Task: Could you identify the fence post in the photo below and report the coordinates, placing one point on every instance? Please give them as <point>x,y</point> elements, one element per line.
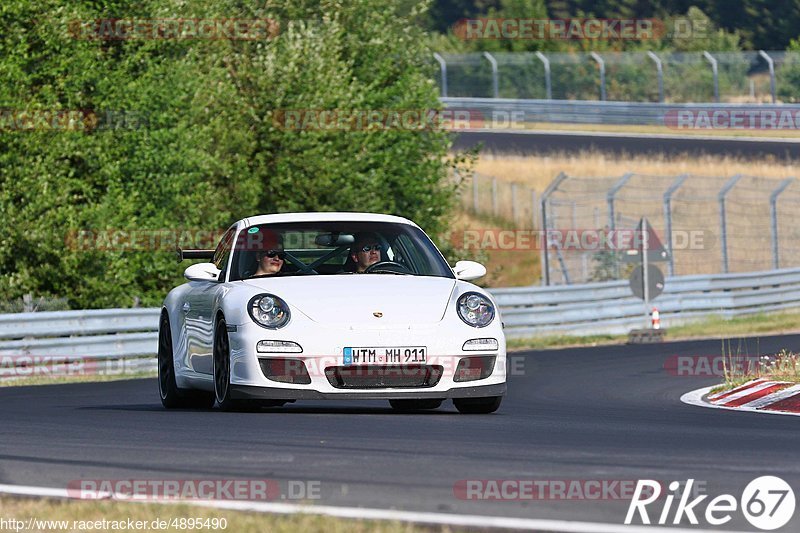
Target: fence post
<point>493,61</point>
<point>443,68</point>
<point>715,72</point>
<point>773,212</point>
<point>494,196</point>
<point>534,214</point>
<point>723,227</point>
<point>514,202</point>
<point>610,197</point>
<point>668,218</point>
<point>771,65</point>
<point>660,72</point>
<point>548,82</point>
<point>602,65</point>
<point>545,244</point>
<point>475,177</point>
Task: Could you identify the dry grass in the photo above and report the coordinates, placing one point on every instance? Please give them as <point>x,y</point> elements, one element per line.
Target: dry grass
<point>504,268</point>
<point>537,171</point>
<point>88,512</point>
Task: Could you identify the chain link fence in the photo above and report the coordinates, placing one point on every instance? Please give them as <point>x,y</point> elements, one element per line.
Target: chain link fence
<point>706,224</point>
<point>677,77</point>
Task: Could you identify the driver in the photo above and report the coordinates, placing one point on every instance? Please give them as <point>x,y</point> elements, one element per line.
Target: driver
<point>365,251</point>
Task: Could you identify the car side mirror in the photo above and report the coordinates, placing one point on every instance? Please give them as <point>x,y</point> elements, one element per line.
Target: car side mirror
<point>469,270</point>
<point>202,272</point>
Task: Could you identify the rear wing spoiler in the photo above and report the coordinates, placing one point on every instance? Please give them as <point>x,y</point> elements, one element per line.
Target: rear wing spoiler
<point>194,254</point>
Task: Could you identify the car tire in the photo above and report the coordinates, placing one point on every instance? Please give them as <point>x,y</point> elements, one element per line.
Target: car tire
<point>415,405</point>
<point>171,396</point>
<point>222,373</point>
<point>477,406</point>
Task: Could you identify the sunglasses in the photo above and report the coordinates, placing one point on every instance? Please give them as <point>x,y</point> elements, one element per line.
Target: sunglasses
<point>280,254</point>
<point>370,248</point>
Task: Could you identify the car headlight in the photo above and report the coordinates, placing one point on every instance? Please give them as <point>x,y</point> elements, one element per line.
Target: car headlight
<point>269,311</point>
<point>475,309</point>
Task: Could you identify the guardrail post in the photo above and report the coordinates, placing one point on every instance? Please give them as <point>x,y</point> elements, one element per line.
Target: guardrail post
<point>715,72</point>
<point>495,86</point>
<point>494,196</point>
<point>545,244</point>
<point>660,72</point>
<point>773,211</point>
<point>443,68</point>
<point>602,65</point>
<point>668,218</point>
<point>771,65</point>
<point>475,177</point>
<point>548,82</point>
<point>723,227</point>
<point>611,196</point>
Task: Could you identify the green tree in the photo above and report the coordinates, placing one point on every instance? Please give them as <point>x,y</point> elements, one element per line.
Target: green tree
<point>206,149</point>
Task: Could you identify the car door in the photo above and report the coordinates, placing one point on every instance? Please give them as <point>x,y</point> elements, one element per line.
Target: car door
<point>199,310</point>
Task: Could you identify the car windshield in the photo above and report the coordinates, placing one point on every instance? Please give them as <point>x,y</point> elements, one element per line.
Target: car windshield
<point>323,248</point>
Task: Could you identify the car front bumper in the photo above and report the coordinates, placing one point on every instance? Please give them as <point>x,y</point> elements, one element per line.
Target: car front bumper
<point>444,348</point>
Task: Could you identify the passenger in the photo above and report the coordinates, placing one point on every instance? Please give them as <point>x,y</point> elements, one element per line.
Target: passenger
<point>365,251</point>
<point>271,257</point>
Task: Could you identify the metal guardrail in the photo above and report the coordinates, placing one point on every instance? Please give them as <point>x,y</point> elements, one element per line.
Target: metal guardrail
<point>610,307</point>
<point>130,336</point>
<point>504,110</point>
<point>78,343</point>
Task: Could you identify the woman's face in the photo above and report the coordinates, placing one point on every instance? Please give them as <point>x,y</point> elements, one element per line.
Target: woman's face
<point>271,262</point>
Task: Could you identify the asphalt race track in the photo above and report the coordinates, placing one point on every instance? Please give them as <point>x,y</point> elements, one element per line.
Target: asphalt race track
<point>606,413</point>
<point>546,142</point>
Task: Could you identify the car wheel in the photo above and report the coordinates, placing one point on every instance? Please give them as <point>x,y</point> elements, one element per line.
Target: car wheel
<point>477,406</point>
<point>415,405</point>
<point>222,372</point>
<point>171,396</point>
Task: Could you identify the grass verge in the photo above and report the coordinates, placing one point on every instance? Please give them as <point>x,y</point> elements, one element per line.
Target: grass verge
<point>714,327</point>
<point>88,515</point>
<point>52,380</point>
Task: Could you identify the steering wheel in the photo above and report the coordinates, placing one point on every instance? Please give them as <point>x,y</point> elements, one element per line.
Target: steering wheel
<point>387,267</point>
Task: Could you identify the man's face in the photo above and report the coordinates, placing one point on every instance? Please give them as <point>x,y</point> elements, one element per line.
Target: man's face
<point>367,253</point>
<point>271,261</point>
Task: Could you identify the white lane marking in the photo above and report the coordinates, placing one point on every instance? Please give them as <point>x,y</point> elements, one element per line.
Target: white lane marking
<point>769,399</point>
<point>695,397</point>
<point>746,392</point>
<point>359,513</point>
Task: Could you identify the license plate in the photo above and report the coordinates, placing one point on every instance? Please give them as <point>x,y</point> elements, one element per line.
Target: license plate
<point>385,355</point>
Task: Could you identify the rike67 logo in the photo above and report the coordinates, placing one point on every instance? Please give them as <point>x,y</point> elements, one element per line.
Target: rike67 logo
<point>767,502</point>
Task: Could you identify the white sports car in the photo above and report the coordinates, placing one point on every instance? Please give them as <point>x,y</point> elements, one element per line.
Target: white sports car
<point>325,306</point>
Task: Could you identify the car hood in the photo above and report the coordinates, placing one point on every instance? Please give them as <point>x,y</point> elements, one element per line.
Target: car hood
<point>354,300</point>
